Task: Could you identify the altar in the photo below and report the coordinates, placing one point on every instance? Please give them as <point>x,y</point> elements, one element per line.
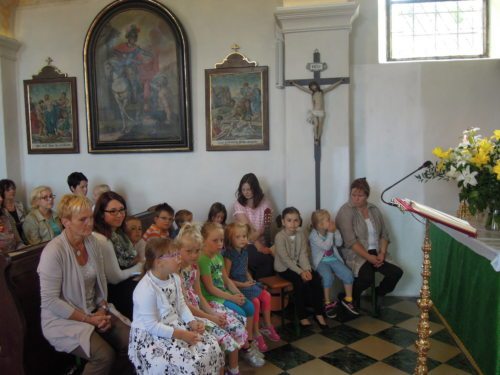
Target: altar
<point>465,289</point>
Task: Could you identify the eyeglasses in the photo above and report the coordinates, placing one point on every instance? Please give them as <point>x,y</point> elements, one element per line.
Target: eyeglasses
<point>115,212</point>
<point>48,197</point>
<point>170,256</point>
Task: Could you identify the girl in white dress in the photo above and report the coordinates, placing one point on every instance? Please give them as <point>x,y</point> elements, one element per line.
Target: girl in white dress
<point>165,338</point>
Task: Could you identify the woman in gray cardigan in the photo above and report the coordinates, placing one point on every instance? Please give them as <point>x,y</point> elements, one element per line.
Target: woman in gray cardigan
<point>365,242</point>
<point>76,317</point>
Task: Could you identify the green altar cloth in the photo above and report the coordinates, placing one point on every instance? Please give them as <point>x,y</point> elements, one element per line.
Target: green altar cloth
<point>465,290</point>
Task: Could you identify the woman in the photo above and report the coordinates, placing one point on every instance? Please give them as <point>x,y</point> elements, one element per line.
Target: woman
<point>9,239</point>
<point>14,208</point>
<point>42,223</point>
<point>121,262</point>
<point>76,317</point>
<point>250,208</point>
<point>365,242</point>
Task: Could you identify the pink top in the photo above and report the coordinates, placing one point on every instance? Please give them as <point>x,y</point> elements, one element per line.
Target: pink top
<point>254,215</point>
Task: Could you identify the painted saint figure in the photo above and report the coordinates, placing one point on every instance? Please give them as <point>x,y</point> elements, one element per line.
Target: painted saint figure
<point>317,113</point>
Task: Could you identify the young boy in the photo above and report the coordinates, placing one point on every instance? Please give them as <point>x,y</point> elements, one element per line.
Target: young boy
<point>162,226</point>
<point>182,217</point>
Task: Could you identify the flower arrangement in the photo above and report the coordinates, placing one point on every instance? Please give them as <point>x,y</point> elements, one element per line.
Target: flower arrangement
<point>475,165</point>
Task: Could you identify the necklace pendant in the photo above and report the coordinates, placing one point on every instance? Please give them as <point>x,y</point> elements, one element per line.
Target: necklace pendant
<point>78,253</point>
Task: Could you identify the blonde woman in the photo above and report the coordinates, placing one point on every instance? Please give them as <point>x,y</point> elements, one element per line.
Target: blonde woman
<point>42,223</point>
<point>75,315</point>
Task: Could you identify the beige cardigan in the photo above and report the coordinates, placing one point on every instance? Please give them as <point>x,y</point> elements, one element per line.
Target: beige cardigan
<point>62,290</point>
<point>293,255</point>
<point>352,226</point>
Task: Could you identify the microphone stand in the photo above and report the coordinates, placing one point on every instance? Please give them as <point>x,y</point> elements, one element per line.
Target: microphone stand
<point>427,164</point>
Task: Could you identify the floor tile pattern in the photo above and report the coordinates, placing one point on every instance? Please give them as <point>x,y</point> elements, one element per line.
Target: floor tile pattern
<point>364,345</point>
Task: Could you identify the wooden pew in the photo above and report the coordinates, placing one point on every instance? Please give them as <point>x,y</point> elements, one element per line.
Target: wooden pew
<point>23,349</point>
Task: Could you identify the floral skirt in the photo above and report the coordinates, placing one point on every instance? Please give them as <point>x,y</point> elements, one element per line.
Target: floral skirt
<point>235,323</point>
<point>154,355</point>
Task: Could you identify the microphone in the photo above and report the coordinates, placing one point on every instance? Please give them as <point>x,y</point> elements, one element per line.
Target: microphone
<point>427,164</point>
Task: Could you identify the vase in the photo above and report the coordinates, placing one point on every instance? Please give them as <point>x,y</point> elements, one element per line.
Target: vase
<point>493,220</point>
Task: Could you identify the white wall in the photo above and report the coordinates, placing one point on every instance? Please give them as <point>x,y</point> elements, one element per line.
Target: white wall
<point>399,113</point>
<point>185,180</point>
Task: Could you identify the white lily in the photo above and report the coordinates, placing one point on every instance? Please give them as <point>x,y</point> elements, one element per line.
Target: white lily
<point>453,173</point>
<point>468,177</point>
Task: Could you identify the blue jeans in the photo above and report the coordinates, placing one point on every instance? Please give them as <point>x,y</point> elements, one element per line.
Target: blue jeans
<point>328,269</point>
<point>246,309</point>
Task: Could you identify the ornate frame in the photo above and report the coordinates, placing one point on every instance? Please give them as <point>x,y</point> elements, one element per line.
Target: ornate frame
<point>137,80</point>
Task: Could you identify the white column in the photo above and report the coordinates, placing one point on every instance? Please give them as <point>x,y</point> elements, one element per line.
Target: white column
<point>9,124</point>
<point>326,28</point>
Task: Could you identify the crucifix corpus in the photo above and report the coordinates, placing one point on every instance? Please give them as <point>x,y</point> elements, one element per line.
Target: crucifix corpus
<point>316,115</point>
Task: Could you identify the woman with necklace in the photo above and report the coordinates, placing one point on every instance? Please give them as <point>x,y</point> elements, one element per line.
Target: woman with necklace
<point>42,223</point>
<point>75,315</point>
<point>121,262</point>
<point>366,240</point>
<point>12,207</point>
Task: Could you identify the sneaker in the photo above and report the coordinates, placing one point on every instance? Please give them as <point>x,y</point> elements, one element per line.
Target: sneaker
<point>270,333</point>
<point>252,359</point>
<point>261,344</point>
<point>331,310</point>
<point>350,307</point>
<point>255,349</point>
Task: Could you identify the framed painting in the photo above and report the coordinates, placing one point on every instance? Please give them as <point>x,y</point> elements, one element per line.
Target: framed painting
<point>237,105</point>
<point>51,112</point>
<point>137,80</point>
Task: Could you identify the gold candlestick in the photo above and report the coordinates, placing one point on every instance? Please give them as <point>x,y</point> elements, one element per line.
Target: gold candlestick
<point>425,304</point>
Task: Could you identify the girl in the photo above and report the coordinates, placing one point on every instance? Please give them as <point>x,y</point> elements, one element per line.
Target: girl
<point>217,287</point>
<point>165,337</point>
<point>226,325</point>
<point>217,213</point>
<point>133,229</point>
<point>326,261</point>
<point>292,263</point>
<point>236,264</point>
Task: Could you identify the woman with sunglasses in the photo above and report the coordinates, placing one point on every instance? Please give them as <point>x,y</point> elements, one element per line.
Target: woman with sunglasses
<point>42,223</point>
<point>121,261</point>
<point>75,314</point>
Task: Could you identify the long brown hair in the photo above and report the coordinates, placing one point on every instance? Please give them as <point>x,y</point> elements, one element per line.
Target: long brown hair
<point>253,182</point>
<point>155,248</point>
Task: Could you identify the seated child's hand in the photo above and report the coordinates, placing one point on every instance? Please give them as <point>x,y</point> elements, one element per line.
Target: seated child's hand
<point>306,276</point>
<point>192,338</point>
<point>219,319</point>
<point>197,326</point>
<point>238,299</point>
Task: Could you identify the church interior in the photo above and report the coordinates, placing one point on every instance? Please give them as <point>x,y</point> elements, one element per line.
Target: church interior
<point>383,121</point>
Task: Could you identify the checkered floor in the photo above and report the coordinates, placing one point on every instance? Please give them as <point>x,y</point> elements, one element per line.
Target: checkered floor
<point>364,345</point>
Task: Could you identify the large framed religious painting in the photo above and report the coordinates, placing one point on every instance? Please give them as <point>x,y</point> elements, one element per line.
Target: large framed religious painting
<point>51,112</point>
<point>137,80</point>
<point>237,105</point>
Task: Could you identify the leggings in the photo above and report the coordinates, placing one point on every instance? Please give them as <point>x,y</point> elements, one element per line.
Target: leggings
<point>264,300</point>
<point>246,309</point>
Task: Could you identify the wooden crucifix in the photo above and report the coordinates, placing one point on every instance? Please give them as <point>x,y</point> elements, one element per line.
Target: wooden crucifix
<point>317,113</point>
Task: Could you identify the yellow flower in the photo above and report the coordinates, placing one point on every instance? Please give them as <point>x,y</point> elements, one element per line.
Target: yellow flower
<point>440,166</point>
<point>496,134</point>
<point>438,151</point>
<point>496,169</point>
<point>485,146</point>
<point>480,159</point>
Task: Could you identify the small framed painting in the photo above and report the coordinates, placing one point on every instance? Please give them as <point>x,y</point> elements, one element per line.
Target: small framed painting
<point>51,112</point>
<point>237,105</point>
